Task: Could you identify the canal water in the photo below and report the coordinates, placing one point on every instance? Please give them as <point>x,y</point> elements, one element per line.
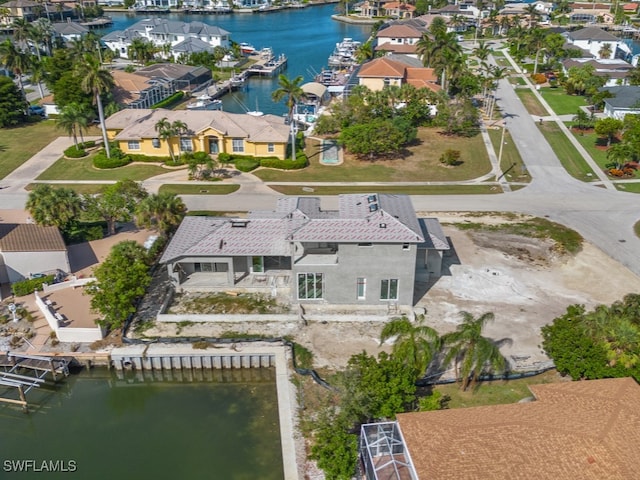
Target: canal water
<point>104,428</point>
<point>306,35</point>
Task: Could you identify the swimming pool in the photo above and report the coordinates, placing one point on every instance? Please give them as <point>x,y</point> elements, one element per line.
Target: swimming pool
<point>330,152</point>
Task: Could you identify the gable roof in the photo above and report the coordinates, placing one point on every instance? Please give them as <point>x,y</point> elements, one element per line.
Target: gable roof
<point>593,33</point>
<point>69,28</point>
<point>127,86</point>
<point>28,237</point>
<point>399,31</point>
<point>382,67</point>
<point>585,430</point>
<point>175,71</point>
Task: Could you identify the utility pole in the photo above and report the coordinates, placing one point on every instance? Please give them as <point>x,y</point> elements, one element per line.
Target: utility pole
<point>504,127</point>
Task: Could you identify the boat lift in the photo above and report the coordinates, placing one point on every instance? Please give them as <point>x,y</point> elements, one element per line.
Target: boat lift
<point>40,366</point>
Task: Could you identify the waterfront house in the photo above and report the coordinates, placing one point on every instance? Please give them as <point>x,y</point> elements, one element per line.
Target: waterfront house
<point>398,10</point>
<point>625,100</point>
<point>212,132</point>
<point>27,249</point>
<point>185,77</point>
<point>614,70</point>
<point>368,252</point>
<point>585,430</point>
<point>397,70</point>
<point>592,39</point>
<point>400,38</point>
<point>26,9</point>
<point>162,32</point>
<point>69,31</point>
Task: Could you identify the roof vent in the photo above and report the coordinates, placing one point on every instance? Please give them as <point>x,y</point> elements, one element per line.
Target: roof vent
<point>383,225</point>
<point>373,207</point>
<point>371,198</point>
<point>239,223</point>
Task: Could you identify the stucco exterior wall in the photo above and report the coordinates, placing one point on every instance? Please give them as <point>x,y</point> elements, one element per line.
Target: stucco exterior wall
<point>20,264</point>
<point>377,84</point>
<point>374,264</point>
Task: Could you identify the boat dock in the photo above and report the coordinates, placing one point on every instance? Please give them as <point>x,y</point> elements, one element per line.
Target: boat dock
<point>266,64</point>
<point>33,372</point>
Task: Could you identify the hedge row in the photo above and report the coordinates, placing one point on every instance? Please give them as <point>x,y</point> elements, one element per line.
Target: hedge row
<point>176,97</point>
<point>138,157</point>
<point>75,152</point>
<point>27,287</point>
<point>246,163</point>
<point>296,164</point>
<point>101,161</point>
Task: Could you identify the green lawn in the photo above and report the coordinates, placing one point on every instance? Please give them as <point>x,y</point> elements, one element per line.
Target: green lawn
<point>417,190</point>
<point>631,188</point>
<point>520,80</point>
<point>497,392</point>
<point>530,102</point>
<point>560,102</point>
<point>200,189</point>
<point>420,163</point>
<point>17,145</point>
<point>83,169</point>
<point>571,160</point>
<point>588,141</point>
<point>510,156</point>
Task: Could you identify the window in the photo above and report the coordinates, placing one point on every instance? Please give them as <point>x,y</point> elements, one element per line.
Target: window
<point>310,286</point>
<point>133,145</point>
<point>361,284</point>
<point>406,246</point>
<point>365,244</point>
<point>387,82</point>
<point>238,145</point>
<point>389,289</point>
<point>155,142</point>
<point>271,148</point>
<point>210,267</point>
<point>185,144</point>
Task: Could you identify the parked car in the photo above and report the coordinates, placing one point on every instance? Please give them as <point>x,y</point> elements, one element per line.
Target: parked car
<point>36,110</point>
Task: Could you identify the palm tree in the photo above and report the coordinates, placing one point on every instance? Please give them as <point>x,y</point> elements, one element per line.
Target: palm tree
<point>620,153</point>
<point>163,211</point>
<point>532,12</point>
<point>96,80</point>
<point>21,31</point>
<point>416,343</point>
<point>470,351</point>
<point>581,120</point>
<point>364,52</point>
<point>291,91</point>
<point>605,51</point>
<point>482,51</point>
<point>140,50</point>
<point>163,127</point>
<point>38,74</point>
<point>53,206</point>
<point>15,60</point>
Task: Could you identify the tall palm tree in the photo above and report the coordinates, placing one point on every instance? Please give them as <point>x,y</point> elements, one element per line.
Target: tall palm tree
<point>38,74</point>
<point>163,211</point>
<point>97,81</point>
<point>605,51</point>
<point>364,52</point>
<point>416,344</point>
<point>53,206</point>
<point>470,352</point>
<point>292,92</point>
<point>532,12</point>
<point>482,51</point>
<point>21,31</point>
<point>165,132</point>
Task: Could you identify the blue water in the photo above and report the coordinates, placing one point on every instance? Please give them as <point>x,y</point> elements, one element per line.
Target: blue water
<point>307,36</point>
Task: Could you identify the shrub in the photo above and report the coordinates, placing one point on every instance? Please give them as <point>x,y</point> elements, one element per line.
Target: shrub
<point>175,98</point>
<point>539,78</point>
<point>87,144</point>
<point>616,172</point>
<point>138,157</point>
<point>296,164</point>
<point>225,158</point>
<point>75,152</point>
<point>30,285</point>
<point>101,161</point>
<point>85,232</point>
<point>450,157</point>
<point>246,164</point>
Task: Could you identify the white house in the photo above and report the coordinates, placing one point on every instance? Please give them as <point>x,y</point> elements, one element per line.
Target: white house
<point>162,32</point>
<point>615,70</point>
<point>592,40</point>
<point>625,100</point>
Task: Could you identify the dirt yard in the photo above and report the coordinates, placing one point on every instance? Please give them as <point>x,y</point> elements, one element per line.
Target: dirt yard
<point>524,281</point>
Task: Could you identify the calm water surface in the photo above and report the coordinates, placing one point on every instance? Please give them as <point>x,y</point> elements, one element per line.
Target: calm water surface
<point>307,36</point>
<point>225,428</point>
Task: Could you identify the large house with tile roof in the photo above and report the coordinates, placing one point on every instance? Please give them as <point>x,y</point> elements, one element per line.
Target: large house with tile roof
<point>397,70</point>
<point>398,38</point>
<point>27,249</point>
<point>212,132</point>
<point>586,430</point>
<point>368,252</point>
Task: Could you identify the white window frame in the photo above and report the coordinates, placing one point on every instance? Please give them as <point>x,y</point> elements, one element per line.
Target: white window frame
<point>386,291</point>
<point>183,144</point>
<point>237,145</point>
<point>303,283</point>
<point>156,142</point>
<point>133,144</point>
<point>361,288</point>
<point>271,147</point>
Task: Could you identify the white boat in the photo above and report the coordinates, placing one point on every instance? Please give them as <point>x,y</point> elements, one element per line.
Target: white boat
<point>345,53</point>
<point>247,48</point>
<point>205,102</point>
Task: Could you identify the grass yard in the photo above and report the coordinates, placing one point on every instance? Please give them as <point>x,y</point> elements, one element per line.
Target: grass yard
<point>419,164</point>
<point>571,160</point>
<point>588,141</point>
<point>520,81</point>
<point>530,102</point>
<point>560,102</point>
<point>407,190</point>
<point>17,145</point>
<point>81,188</point>
<point>83,169</point>
<point>200,189</point>
<point>631,188</point>
<point>497,392</point>
<point>510,156</point>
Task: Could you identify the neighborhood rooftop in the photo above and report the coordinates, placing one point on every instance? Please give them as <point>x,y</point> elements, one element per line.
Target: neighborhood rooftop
<point>26,237</point>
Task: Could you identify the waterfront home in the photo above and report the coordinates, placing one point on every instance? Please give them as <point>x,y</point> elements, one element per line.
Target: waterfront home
<point>170,36</point>
<point>69,31</point>
<point>592,39</point>
<point>625,100</point>
<point>368,252</point>
<point>614,70</point>
<point>398,38</point>
<point>27,249</point>
<point>27,9</point>
<point>570,430</point>
<point>397,70</point>
<point>212,132</point>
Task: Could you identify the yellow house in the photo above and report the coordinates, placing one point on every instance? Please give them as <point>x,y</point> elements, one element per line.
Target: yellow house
<point>138,131</point>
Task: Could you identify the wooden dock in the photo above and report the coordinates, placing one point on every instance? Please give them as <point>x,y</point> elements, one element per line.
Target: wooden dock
<point>33,371</point>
